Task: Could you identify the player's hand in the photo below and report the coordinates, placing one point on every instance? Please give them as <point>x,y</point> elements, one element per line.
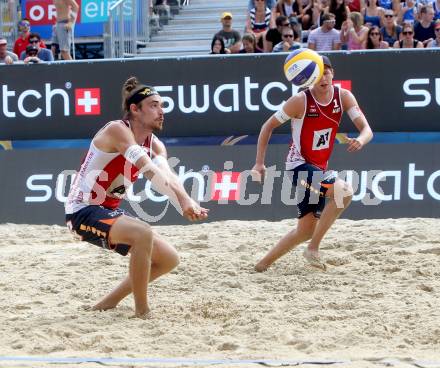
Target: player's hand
<point>258,172</point>
<point>193,212</point>
<point>354,145</point>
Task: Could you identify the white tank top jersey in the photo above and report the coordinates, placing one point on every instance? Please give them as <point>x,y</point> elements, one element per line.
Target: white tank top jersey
<point>103,178</point>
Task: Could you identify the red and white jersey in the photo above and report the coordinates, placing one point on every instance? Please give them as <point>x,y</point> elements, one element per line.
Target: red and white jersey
<point>314,134</point>
<point>103,178</point>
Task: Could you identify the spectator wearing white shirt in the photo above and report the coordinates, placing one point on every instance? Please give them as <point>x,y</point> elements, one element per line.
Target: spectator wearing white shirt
<point>6,57</point>
<point>325,38</point>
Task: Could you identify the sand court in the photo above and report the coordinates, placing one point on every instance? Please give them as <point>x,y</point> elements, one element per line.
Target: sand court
<point>378,299</point>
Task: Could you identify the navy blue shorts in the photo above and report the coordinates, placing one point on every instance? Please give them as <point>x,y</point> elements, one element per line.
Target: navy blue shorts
<point>311,184</point>
<point>93,224</point>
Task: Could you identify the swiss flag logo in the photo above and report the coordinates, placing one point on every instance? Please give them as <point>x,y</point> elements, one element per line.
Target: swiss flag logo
<point>87,101</point>
<point>225,186</point>
<point>343,84</point>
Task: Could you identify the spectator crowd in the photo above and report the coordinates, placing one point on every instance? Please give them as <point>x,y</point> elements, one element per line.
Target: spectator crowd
<point>325,25</point>
<point>29,48</point>
<point>271,26</point>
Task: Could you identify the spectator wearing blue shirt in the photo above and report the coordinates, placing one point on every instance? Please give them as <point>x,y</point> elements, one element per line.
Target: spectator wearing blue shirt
<point>269,3</point>
<point>408,12</point>
<point>34,51</point>
<point>391,30</point>
<point>424,30</point>
<point>436,6</point>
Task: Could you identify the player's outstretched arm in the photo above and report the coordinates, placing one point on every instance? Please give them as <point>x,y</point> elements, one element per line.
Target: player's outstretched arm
<point>293,108</point>
<point>190,208</point>
<point>119,138</point>
<point>351,106</point>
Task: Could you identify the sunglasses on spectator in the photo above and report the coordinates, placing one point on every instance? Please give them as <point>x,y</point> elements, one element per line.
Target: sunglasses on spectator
<point>407,33</point>
<point>288,35</point>
<point>34,41</point>
<point>389,15</point>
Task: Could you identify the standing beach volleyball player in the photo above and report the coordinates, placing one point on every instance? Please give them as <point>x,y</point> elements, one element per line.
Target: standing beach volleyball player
<point>118,153</point>
<point>315,116</point>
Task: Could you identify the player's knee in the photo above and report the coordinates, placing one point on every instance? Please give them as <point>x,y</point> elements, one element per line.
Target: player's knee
<point>174,261</point>
<point>142,237</point>
<point>342,194</point>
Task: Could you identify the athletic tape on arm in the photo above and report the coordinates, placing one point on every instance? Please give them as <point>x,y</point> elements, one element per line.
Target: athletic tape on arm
<point>354,112</point>
<point>134,153</point>
<point>281,116</point>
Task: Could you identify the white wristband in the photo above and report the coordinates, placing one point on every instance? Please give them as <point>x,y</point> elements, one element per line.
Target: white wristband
<point>134,153</point>
<point>158,160</point>
<point>354,112</point>
<point>281,116</point>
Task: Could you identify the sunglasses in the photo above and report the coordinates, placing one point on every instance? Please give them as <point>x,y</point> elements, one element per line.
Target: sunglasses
<point>389,16</point>
<point>34,41</point>
<point>406,33</point>
<point>437,29</point>
<point>289,36</point>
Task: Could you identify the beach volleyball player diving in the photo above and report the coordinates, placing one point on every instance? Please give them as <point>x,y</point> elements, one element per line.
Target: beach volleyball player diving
<point>315,115</point>
<point>118,154</point>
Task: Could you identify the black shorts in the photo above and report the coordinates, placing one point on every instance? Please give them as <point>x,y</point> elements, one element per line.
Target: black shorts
<point>93,224</point>
<point>311,184</point>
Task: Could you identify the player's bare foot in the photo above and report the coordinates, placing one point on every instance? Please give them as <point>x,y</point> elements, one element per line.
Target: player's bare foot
<point>313,259</point>
<point>142,314</point>
<point>103,306</point>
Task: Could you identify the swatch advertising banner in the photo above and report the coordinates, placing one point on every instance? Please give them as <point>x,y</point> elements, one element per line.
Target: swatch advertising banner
<point>389,180</point>
<point>213,96</point>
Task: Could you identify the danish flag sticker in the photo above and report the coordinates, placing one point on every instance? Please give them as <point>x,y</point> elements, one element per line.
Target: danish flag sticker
<point>87,101</point>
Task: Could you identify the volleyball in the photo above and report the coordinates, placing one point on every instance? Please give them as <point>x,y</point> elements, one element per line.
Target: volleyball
<point>303,67</point>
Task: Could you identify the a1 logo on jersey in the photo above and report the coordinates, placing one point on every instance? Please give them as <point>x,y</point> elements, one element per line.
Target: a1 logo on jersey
<point>87,101</point>
<point>321,139</point>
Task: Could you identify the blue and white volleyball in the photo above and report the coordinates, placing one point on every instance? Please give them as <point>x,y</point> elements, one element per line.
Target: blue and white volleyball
<point>303,67</point>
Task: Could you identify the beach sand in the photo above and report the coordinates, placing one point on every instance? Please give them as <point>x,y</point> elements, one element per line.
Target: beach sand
<point>379,298</point>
